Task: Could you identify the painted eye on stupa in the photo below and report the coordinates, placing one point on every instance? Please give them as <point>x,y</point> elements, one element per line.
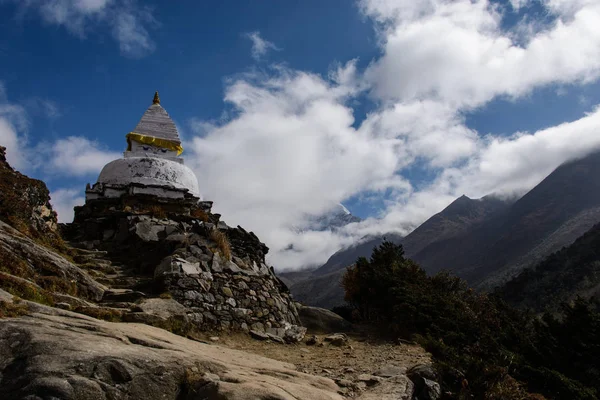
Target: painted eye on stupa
<point>146,148</point>
<point>163,150</point>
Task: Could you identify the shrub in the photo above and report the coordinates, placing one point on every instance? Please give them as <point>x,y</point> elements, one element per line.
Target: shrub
<point>481,347</point>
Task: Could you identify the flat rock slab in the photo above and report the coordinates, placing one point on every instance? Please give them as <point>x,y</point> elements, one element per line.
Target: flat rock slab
<point>128,296</point>
<point>259,335</point>
<point>64,355</point>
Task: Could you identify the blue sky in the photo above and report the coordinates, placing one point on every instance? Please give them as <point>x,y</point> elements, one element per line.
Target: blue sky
<point>392,107</point>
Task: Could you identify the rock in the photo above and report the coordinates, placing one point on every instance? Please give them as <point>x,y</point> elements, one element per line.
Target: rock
<point>424,378</point>
<point>321,320</point>
<point>397,388</point>
<point>337,339</point>
<point>163,308</point>
<point>64,306</point>
<point>26,201</point>
<point>122,295</point>
<point>214,338</point>
<point>276,338</point>
<point>312,340</point>
<point>294,334</point>
<point>345,383</point>
<point>147,231</point>
<point>64,355</point>
<point>42,261</point>
<point>259,335</point>
<point>387,371</point>
<point>369,379</point>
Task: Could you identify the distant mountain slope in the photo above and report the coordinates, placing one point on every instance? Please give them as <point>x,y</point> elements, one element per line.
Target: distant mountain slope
<point>488,241</point>
<point>455,219</point>
<point>561,277</point>
<point>553,214</point>
<point>336,218</point>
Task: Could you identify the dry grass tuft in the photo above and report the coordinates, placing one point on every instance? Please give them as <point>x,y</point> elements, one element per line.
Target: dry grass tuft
<point>12,310</point>
<point>200,214</point>
<point>25,290</point>
<point>222,243</point>
<point>14,265</point>
<point>106,314</point>
<point>57,284</point>
<point>157,212</point>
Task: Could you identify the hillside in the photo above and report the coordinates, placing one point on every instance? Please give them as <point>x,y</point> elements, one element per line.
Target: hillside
<point>561,277</point>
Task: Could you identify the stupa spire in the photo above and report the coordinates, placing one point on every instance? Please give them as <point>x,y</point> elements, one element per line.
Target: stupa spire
<point>156,99</point>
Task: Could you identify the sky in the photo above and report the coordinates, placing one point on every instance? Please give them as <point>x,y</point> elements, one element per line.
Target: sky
<point>393,108</point>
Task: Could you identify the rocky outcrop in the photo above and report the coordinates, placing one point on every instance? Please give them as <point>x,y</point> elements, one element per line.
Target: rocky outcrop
<point>31,270</point>
<point>58,354</point>
<point>25,204</point>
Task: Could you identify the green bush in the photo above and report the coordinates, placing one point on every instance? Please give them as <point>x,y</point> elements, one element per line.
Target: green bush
<point>482,347</point>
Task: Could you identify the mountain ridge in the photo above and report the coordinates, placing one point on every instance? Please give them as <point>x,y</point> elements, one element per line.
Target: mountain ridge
<point>489,240</point>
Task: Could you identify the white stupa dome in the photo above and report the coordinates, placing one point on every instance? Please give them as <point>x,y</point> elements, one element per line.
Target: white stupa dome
<point>152,158</point>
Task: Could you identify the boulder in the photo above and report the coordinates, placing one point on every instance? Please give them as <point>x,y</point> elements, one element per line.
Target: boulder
<point>258,335</point>
<point>337,339</point>
<point>58,354</point>
<point>294,334</point>
<point>321,320</point>
<point>397,388</point>
<point>424,378</point>
<point>39,261</point>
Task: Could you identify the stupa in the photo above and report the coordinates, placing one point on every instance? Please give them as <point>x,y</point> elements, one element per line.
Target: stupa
<point>152,164</point>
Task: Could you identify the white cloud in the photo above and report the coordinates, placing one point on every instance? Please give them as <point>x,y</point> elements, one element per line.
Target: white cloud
<point>260,46</point>
<point>76,156</point>
<point>456,52</point>
<point>13,130</point>
<point>63,201</point>
<point>291,145</point>
<point>128,20</point>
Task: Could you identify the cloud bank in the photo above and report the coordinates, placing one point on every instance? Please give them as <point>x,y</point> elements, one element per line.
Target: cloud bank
<point>293,147</point>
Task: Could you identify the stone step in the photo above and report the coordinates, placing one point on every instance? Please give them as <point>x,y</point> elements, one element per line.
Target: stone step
<point>95,253</point>
<point>118,304</point>
<point>122,295</point>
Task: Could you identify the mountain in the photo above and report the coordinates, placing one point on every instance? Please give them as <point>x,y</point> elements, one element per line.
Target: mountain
<point>561,277</point>
<point>488,241</point>
<point>553,214</point>
<point>336,218</point>
<point>317,287</point>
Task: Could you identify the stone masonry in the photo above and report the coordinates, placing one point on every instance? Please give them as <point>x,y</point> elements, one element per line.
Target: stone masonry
<point>218,273</point>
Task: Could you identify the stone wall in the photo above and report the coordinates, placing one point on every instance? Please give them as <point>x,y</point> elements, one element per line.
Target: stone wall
<point>217,272</point>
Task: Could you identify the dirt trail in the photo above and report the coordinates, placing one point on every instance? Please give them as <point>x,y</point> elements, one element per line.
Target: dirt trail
<point>361,355</point>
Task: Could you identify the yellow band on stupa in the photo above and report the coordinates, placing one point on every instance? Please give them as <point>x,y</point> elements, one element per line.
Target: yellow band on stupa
<point>153,141</point>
